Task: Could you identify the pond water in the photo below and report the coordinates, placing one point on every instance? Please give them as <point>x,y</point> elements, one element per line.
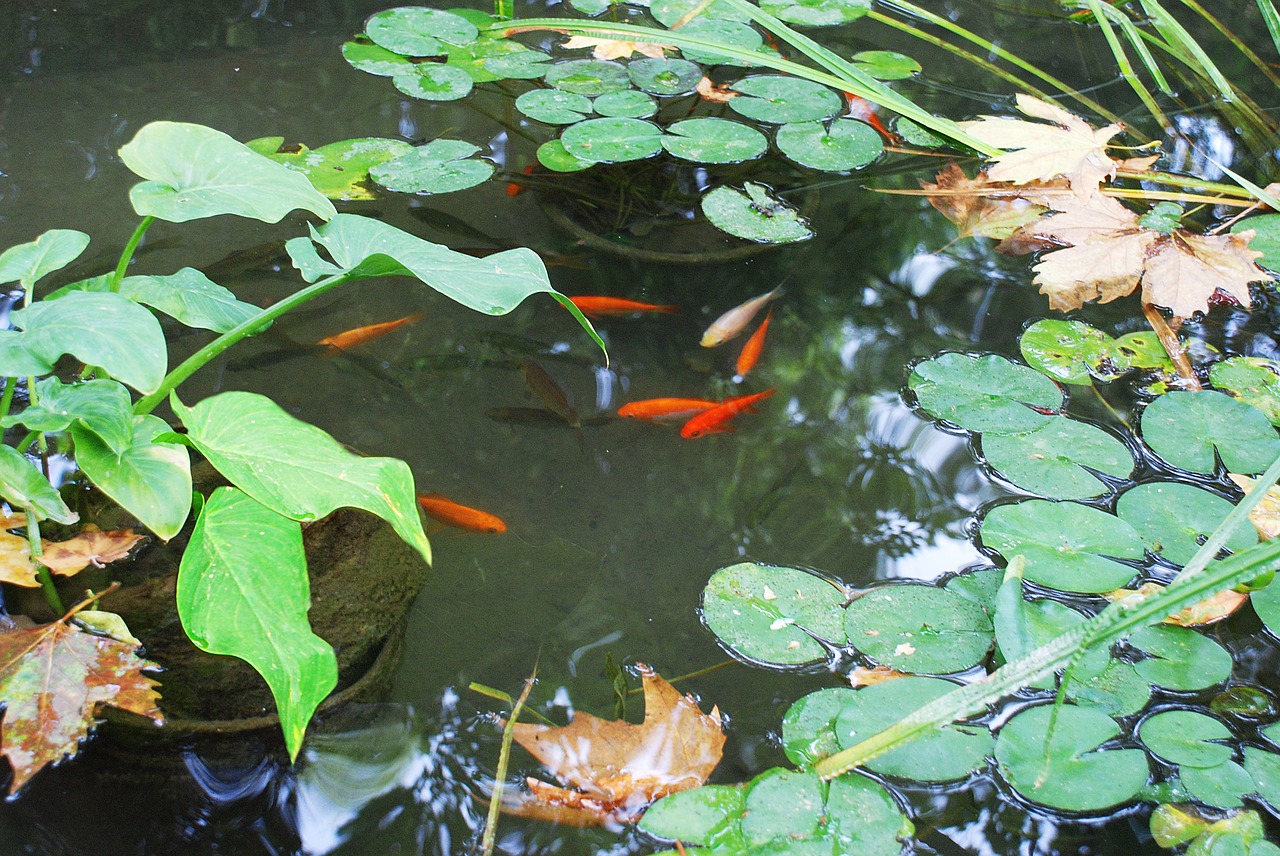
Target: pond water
<point>613,532</point>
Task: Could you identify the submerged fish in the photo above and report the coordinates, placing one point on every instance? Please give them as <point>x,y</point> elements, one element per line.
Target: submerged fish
<point>750,353</point>
<point>666,409</point>
<point>734,321</point>
<point>597,307</point>
<point>462,516</point>
<point>544,386</point>
<point>538,417</point>
<point>360,335</point>
<point>716,420</point>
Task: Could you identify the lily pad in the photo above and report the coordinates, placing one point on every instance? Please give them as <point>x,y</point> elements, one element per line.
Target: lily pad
<point>626,104</point>
<point>808,727</point>
<point>886,65</point>
<point>1221,786</point>
<point>612,140</point>
<point>591,8</point>
<point>1264,769</point>
<point>817,13</point>
<point>920,629</point>
<point>840,145</point>
<point>1056,459</point>
<point>914,133</point>
<point>554,106</point>
<point>1186,738</point>
<point>553,156</point>
<point>588,76</point>
<point>714,141</point>
<point>732,33</point>
<point>340,170</point>
<point>433,81</point>
<point>700,816</point>
<point>373,59</point>
<point>1180,658</point>
<point>1187,428</point>
<point>781,99</point>
<point>51,251</point>
<point>668,12</point>
<point>1174,519</point>
<point>487,60</point>
<point>774,615</point>
<point>1118,690</point>
<point>1022,626</point>
<point>1266,602</point>
<point>987,394</point>
<point>1141,351</point>
<point>665,76</point>
<point>419,31</point>
<point>1267,239</point>
<point>1068,351</point>
<point>754,215</point>
<point>1253,380</point>
<point>441,166</point>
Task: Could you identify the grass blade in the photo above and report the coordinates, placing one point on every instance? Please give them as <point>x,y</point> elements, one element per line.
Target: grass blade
<point>1271,18</point>
<point>1122,60</point>
<point>1175,34</point>
<point>500,774</point>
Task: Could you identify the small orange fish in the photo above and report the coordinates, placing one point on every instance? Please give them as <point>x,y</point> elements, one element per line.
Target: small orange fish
<point>751,350</point>
<point>666,409</point>
<point>716,420</point>
<point>861,108</point>
<point>461,516</point>
<point>514,189</point>
<point>360,335</point>
<point>734,321</point>
<point>597,307</point>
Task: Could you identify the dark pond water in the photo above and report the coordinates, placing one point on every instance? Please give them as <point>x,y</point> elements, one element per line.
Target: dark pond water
<point>612,537</point>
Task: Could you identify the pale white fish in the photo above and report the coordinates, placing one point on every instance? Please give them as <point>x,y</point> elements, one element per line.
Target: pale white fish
<point>734,321</point>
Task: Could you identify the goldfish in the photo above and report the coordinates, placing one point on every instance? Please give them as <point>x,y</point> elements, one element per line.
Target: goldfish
<point>751,350</point>
<point>734,321</point>
<point>360,335</point>
<point>544,386</point>
<point>861,108</point>
<point>514,189</point>
<point>716,420</point>
<point>462,516</point>
<point>663,409</point>
<point>596,307</point>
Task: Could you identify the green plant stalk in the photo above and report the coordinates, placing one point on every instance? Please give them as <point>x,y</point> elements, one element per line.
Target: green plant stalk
<point>1175,34</point>
<point>1126,67</point>
<point>1271,18</point>
<point>127,254</point>
<point>196,361</point>
<point>1197,581</point>
<point>1235,41</point>
<point>1134,35</point>
<point>6,400</point>
<point>500,774</point>
<point>36,548</point>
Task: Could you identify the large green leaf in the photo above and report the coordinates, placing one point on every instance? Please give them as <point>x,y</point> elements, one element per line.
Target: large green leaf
<point>1174,518</point>
<point>1186,428</point>
<point>831,146</point>
<point>665,76</point>
<point>243,591</point>
<point>919,628</point>
<point>419,31</point>
<point>754,215</point>
<point>588,76</point>
<point>554,106</point>
<point>1187,738</point>
<point>612,140</point>
<point>195,172</point>
<point>1179,658</point>
<point>817,13</point>
<point>102,406</point>
<point>434,82</point>
<point>295,469</point>
<point>1253,380</point>
<point>988,394</point>
<point>338,170</point>
<point>53,250</point>
<point>152,481</point>
<point>1057,459</point>
<point>779,98</point>
<point>188,296</point>
<point>711,140</point>
<point>1266,239</point>
<point>1067,351</point>
<point>440,166</point>
<point>25,486</point>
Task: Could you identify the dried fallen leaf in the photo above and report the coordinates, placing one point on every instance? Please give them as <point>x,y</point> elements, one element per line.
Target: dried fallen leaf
<point>53,677</point>
<point>983,208</point>
<point>1208,611</point>
<point>615,48</point>
<point>1186,269</point>
<point>1266,514</point>
<point>619,768</point>
<point>716,94</point>
<point>91,546</point>
<point>864,677</point>
<point>16,566</point>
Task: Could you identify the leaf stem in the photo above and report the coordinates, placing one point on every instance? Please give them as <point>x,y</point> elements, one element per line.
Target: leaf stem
<point>1172,346</point>
<point>6,400</point>
<point>500,774</point>
<point>36,549</point>
<point>127,255</point>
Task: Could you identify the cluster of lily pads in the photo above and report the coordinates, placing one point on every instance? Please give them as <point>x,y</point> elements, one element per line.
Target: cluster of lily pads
<point>1158,717</point>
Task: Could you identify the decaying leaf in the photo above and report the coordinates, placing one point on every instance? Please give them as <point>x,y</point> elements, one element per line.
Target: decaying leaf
<point>53,677</point>
<point>1208,611</point>
<point>1186,269</point>
<point>616,767</point>
<point>615,48</point>
<point>91,546</point>
<point>984,208</point>
<point>1266,514</point>
<point>16,567</point>
<point>864,677</point>
<point>716,94</point>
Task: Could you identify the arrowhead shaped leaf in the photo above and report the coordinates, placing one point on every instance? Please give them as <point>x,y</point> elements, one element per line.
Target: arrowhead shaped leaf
<point>102,406</point>
<point>22,484</point>
<point>187,296</point>
<point>53,250</point>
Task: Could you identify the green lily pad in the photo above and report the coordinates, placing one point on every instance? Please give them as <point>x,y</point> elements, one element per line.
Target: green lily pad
<point>915,134</point>
<point>419,31</point>
<point>1267,239</point>
<point>102,406</point>
<point>1141,351</point>
<point>487,60</point>
<point>1264,769</point>
<point>731,33</point>
<point>1118,690</point>
<point>612,140</point>
<point>780,99</point>
<point>1187,428</point>
<point>885,65</point>
<point>1266,602</point>
<point>808,727</point>
<point>699,816</point>
<point>626,104</point>
<point>1253,380</point>
<point>1243,701</point>
<point>591,8</point>
<point>987,394</point>
<point>1067,351</point>
<point>26,487</point>
<point>1221,786</point>
<point>554,106</point>
<point>920,629</point>
<point>714,141</point>
<point>817,13</point>
<point>980,586</point>
<point>373,59</point>
<point>1022,626</point>
<point>774,615</point>
<point>339,170</point>
<point>1186,738</point>
<point>588,76</point>
<point>668,12</point>
<point>1174,518</point>
<point>150,480</point>
<point>754,215</point>
<point>433,81</point>
<point>51,251</point>
<point>841,145</point>
<point>1056,459</point>
<point>1068,770</point>
<point>553,156</point>
<point>1180,658</point>
<point>441,166</point>
<point>1067,546</point>
<point>665,76</point>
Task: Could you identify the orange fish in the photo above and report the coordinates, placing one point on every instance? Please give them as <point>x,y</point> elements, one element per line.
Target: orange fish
<point>664,409</point>
<point>733,322</point>
<point>861,108</point>
<point>360,335</point>
<point>751,350</point>
<point>514,189</point>
<point>716,420</point>
<point>461,516</point>
<point>597,307</point>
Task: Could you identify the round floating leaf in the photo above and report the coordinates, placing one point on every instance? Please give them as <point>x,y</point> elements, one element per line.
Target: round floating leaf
<point>1267,239</point>
<point>917,135</point>
<point>732,33</point>
<point>591,8</point>
<point>772,614</point>
<point>987,394</point>
<point>1266,602</point>
<point>441,166</point>
<point>1253,380</point>
<point>1186,738</point>
<point>919,628</point>
<point>1066,545</point>
<point>475,16</point>
<point>588,76</point>
<point>419,31</point>
<point>554,106</point>
<point>1140,351</point>
<point>626,104</point>
<point>666,76</point>
<point>781,99</point>
<point>785,805</point>
<point>808,727</point>
<point>886,65</point>
<point>1180,658</point>
<point>1118,690</point>
<point>1264,769</point>
<point>668,12</point>
<point>373,59</point>
<point>1067,351</point>
<point>612,140</point>
<point>487,60</point>
<point>1052,460</point>
<point>714,141</point>
<point>980,586</point>
<point>1243,701</point>
<point>950,753</point>
<point>553,156</point>
<point>340,170</point>
<point>863,818</point>
<point>817,13</point>
<point>754,215</point>
<point>434,82</point>
<point>1022,625</point>
<point>1067,770</point>
<point>1185,428</point>
<point>844,144</point>
<point>1221,786</point>
<point>1174,519</point>
<point>698,816</point>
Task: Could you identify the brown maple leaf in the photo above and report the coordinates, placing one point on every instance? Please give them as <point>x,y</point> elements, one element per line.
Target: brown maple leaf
<point>1186,269</point>
<point>615,48</point>
<point>984,208</point>
<point>53,677</point>
<point>619,768</point>
<point>716,93</point>
<point>91,546</point>
<point>864,677</point>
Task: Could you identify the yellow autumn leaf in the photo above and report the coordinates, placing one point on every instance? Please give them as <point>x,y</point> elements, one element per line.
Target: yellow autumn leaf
<point>1099,270</point>
<point>91,546</point>
<point>615,48</point>
<point>16,566</point>
<point>1266,514</point>
<point>981,207</point>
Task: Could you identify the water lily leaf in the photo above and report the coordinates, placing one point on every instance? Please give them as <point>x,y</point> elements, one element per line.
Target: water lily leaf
<point>588,76</point>
<point>1221,786</point>
<point>841,145</point>
<point>1056,459</point>
<point>1186,738</point>
<point>102,406</point>
<point>150,480</point>
<point>915,134</point>
<point>920,629</point>
<point>1266,238</point>
<point>419,31</point>
<point>1174,519</point>
<point>295,469</point>
<point>1253,380</point>
<point>808,726</point>
<point>243,591</point>
<point>188,296</point>
<point>1067,546</point>
<point>373,59</point>
<point>732,33</point>
<point>53,250</point>
<point>23,485</point>
<point>668,12</point>
<point>1118,690</point>
<point>987,394</point>
<point>1068,351</point>
<point>1141,351</point>
<point>440,166</point>
<point>338,170</point>
<point>701,816</point>
<point>772,615</point>
<point>1243,701</point>
<point>1186,428</point>
<point>193,172</point>
<point>1180,658</point>
<point>1264,769</point>
<point>553,156</point>
<point>1022,626</point>
<point>980,586</point>
<point>486,60</point>
<point>612,140</point>
<point>554,106</point>
<point>817,13</point>
<point>432,81</point>
<point>625,104</point>
<point>781,99</point>
<point>1067,770</point>
<point>1266,602</point>
<point>591,8</point>
<point>950,753</point>
<point>886,65</point>
<point>785,806</point>
<point>714,141</point>
<point>754,215</point>
<point>667,76</point>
